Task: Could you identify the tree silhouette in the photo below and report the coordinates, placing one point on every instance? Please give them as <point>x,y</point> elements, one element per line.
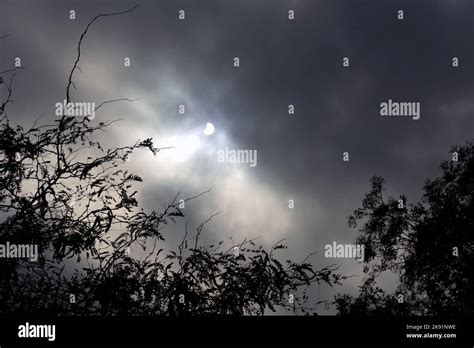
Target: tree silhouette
<point>429,245</point>
<point>63,191</point>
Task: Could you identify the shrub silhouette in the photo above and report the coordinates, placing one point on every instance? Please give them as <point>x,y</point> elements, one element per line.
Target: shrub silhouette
<point>429,245</point>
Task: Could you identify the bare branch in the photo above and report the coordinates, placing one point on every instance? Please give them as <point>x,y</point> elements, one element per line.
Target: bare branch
<point>68,97</point>
<point>114,101</point>
<point>10,70</point>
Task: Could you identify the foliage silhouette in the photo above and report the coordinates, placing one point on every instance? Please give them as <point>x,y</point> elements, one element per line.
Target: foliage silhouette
<point>63,191</point>
<point>429,245</point>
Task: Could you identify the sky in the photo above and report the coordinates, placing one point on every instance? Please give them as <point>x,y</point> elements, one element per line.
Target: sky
<point>190,62</point>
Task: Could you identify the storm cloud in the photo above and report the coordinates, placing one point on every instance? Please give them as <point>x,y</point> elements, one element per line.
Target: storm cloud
<point>299,62</point>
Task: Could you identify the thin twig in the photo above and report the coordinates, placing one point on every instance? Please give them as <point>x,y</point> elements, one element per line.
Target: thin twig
<point>68,97</point>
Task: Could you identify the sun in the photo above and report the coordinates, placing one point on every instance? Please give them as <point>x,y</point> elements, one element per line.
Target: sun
<point>209,130</point>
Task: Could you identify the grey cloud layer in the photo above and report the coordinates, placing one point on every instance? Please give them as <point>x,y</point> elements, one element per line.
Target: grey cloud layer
<point>282,62</point>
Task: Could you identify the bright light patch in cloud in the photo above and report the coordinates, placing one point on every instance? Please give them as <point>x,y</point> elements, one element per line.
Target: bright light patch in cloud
<point>184,146</point>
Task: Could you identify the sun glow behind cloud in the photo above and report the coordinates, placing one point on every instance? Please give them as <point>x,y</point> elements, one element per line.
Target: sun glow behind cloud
<point>191,144</point>
<point>188,162</point>
<point>182,147</point>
